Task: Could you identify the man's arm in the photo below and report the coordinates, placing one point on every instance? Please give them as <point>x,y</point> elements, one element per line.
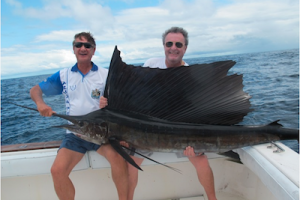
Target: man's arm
<point>36,95</point>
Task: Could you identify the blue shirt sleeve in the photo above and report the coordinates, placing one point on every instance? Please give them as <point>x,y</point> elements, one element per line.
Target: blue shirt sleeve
<point>52,86</point>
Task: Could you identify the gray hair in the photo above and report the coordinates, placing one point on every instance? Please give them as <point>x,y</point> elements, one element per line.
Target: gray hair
<point>176,30</point>
<point>87,35</point>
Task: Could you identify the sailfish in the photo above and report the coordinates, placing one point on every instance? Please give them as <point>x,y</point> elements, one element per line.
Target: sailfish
<point>166,110</point>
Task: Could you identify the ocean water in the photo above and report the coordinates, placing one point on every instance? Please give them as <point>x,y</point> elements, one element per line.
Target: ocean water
<point>271,79</point>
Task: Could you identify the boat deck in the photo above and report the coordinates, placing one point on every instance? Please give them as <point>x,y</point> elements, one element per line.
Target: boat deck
<point>220,195</point>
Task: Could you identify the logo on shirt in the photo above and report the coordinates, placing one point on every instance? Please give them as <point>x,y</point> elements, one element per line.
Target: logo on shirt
<point>73,87</point>
<point>95,94</point>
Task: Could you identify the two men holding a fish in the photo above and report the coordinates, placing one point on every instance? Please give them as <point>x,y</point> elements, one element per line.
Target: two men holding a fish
<point>83,85</point>
<point>143,110</point>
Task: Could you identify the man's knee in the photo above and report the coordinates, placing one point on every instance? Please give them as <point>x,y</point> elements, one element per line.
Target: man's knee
<point>109,153</point>
<point>57,171</point>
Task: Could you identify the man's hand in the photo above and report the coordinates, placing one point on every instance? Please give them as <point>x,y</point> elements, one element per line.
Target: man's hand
<point>125,144</point>
<point>103,102</point>
<point>189,152</point>
<point>45,110</point>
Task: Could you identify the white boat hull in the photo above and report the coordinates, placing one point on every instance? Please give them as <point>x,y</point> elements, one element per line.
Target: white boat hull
<point>26,176</point>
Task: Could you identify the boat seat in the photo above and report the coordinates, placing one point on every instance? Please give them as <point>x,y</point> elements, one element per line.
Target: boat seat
<point>39,161</point>
<point>33,162</point>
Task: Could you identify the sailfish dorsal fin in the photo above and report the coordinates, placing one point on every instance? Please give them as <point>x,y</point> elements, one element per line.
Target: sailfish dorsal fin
<point>200,93</point>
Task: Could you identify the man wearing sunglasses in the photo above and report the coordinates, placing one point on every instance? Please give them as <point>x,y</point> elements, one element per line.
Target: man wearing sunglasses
<point>175,41</point>
<point>82,85</point>
<point>175,44</point>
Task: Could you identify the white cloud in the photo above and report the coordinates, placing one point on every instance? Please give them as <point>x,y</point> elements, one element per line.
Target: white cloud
<point>240,26</point>
<point>89,13</point>
<point>14,3</point>
<point>62,35</point>
<point>28,62</point>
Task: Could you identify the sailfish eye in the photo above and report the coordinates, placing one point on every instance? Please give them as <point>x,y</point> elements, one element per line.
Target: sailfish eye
<point>80,123</point>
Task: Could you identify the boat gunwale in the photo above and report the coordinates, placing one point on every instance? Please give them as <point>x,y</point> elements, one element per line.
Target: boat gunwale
<point>30,146</point>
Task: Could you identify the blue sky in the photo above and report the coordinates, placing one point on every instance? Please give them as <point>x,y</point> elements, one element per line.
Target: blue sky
<point>36,35</point>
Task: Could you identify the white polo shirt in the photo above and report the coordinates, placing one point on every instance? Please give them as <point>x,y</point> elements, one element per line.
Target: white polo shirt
<point>158,63</point>
<point>82,92</point>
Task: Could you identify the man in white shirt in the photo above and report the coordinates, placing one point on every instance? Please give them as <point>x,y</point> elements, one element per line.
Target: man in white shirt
<point>82,85</point>
<point>175,42</point>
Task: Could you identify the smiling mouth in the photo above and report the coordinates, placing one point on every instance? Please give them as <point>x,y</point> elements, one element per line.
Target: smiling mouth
<point>173,53</point>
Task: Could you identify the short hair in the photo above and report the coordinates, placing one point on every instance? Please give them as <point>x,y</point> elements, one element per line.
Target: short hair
<point>87,35</point>
<point>176,30</point>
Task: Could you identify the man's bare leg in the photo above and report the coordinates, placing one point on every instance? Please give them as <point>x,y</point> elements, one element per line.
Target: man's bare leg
<point>63,164</point>
<point>118,169</point>
<point>204,172</point>
<point>133,176</point>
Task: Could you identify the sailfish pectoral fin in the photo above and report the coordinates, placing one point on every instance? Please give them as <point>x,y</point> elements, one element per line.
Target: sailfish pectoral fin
<point>176,170</point>
<point>232,156</point>
<point>116,145</point>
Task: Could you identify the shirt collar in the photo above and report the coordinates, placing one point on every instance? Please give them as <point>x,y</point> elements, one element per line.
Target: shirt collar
<point>75,68</point>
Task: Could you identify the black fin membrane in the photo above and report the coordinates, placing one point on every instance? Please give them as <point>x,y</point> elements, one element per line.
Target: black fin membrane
<point>116,145</point>
<point>176,170</point>
<point>232,156</point>
<point>201,93</point>
<point>276,123</point>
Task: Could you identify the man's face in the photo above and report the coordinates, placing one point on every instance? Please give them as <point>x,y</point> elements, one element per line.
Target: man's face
<point>173,53</point>
<point>82,53</point>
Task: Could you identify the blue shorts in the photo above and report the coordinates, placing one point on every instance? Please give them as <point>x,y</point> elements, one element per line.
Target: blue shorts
<point>77,144</point>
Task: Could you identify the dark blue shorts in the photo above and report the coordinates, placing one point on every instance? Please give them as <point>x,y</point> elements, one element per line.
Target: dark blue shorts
<point>77,144</point>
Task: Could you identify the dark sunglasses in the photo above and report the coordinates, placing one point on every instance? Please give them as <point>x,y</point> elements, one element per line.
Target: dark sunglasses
<point>86,45</point>
<point>177,44</point>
